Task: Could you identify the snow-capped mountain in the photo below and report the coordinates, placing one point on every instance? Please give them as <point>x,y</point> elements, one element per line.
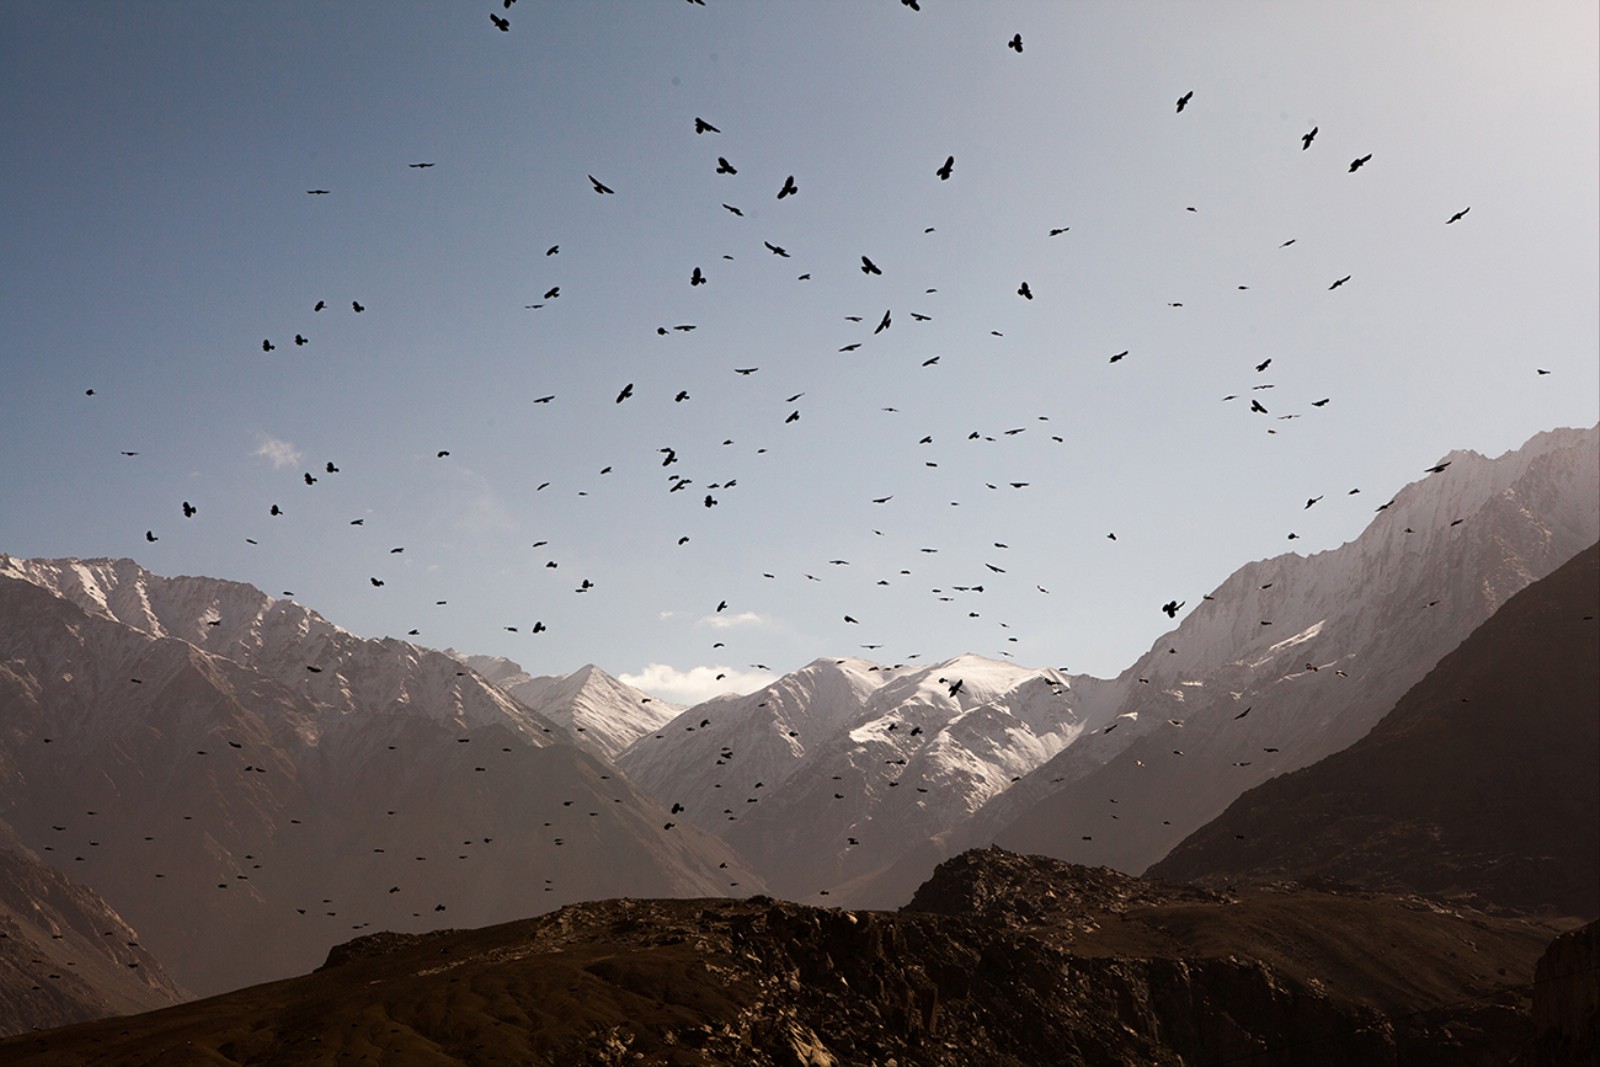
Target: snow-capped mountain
<point>1297,657</point>
<point>245,813</point>
<point>835,769</point>
<point>599,712</point>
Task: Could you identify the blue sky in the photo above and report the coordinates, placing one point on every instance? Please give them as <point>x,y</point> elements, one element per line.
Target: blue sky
<point>157,229</point>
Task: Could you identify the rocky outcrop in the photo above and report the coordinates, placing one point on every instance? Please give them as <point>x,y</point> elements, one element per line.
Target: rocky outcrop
<point>1566,1001</point>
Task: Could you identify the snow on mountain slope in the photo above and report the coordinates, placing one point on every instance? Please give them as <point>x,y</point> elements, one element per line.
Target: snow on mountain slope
<point>844,748</point>
<point>601,713</point>
<point>1293,658</point>
<point>712,756</point>
<point>335,669</point>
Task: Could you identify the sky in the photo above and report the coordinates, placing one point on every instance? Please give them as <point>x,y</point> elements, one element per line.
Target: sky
<point>854,491</point>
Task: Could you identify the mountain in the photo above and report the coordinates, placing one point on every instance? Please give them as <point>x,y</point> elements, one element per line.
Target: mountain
<point>599,713</point>
<point>1484,780</point>
<point>1001,960</point>
<point>65,956</point>
<point>835,769</point>
<point>1294,658</point>
<point>247,794</point>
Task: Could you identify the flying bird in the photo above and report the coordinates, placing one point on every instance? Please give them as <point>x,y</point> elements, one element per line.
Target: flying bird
<point>1015,44</point>
<point>697,278</point>
<point>603,190</point>
<point>945,171</point>
<point>503,25</point>
<point>1338,283</point>
<point>702,126</point>
<point>724,167</point>
<point>869,267</point>
<point>776,249</point>
<point>1120,355</point>
<point>789,187</point>
<point>419,166</point>
<point>189,510</point>
<point>1357,164</point>
<point>1024,292</point>
<point>1307,138</point>
<point>355,305</point>
<point>1263,365</point>
<point>884,325</point>
<point>1183,101</point>
<point>317,192</point>
<point>1458,216</point>
<point>1171,607</point>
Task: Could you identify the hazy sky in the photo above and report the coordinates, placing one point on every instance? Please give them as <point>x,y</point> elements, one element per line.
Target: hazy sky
<point>157,228</point>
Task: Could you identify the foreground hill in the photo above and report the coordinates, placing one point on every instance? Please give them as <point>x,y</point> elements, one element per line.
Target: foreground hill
<point>1000,961</point>
<point>1483,781</point>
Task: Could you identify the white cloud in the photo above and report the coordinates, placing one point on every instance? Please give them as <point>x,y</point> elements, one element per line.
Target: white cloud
<point>695,684</point>
<point>728,622</point>
<point>280,454</point>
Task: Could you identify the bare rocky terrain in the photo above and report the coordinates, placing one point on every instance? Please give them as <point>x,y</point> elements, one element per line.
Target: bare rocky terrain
<point>1000,960</point>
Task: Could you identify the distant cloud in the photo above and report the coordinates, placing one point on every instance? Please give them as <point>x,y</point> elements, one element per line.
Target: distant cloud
<point>695,684</point>
<point>280,454</point>
<point>728,622</point>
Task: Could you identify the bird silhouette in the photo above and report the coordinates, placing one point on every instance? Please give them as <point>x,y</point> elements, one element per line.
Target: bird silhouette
<point>188,510</point>
<point>724,167</point>
<point>501,24</point>
<point>1183,101</point>
<point>697,278</point>
<point>1458,216</point>
<point>627,391</point>
<point>419,166</point>
<point>1307,138</point>
<point>869,267</point>
<point>1338,283</point>
<point>702,126</point>
<point>603,190</point>
<point>1171,607</point>
<point>355,305</point>
<point>1357,164</point>
<point>1015,44</point>
<point>1025,292</point>
<point>789,187</point>
<point>945,171</point>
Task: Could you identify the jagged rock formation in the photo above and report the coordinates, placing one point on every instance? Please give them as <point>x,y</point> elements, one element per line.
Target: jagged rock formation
<point>1483,781</point>
<point>1566,1001</point>
<point>1004,961</point>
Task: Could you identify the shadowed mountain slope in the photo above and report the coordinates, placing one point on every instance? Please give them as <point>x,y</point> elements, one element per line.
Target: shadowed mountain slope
<point>1483,781</point>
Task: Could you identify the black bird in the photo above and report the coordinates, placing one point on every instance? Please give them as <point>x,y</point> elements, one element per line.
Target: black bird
<point>419,166</point>
<point>376,582</point>
<point>553,292</point>
<point>1255,405</point>
<point>355,306</point>
<point>735,210</point>
<point>1357,164</point>
<point>884,325</point>
<point>320,305</point>
<point>702,126</point>
<point>149,535</point>
<point>1183,101</point>
<point>745,370</point>
<point>276,510</point>
<point>955,686</point>
<point>1263,366</point>
<point>442,453</point>
<point>1319,403</point>
<point>789,187</point>
<point>1171,607</point>
<point>552,250</point>
<point>1437,467</point>
<point>299,339</point>
<point>869,267</point>
<point>503,25</point>
<point>1024,292</point>
<point>188,510</point>
<point>598,187</point>
<point>267,346</point>
<point>1307,138</point>
<point>1015,44</point>
<point>317,192</point>
<point>1119,355</point>
<point>945,171</point>
<point>697,278</point>
<point>1457,216</point>
<point>724,167</point>
<point>1058,231</point>
<point>544,399</point>
<point>776,249</point>
<point>627,391</point>
<point>1338,283</point>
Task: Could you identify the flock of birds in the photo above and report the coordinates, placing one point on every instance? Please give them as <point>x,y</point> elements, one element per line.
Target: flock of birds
<point>940,171</point>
